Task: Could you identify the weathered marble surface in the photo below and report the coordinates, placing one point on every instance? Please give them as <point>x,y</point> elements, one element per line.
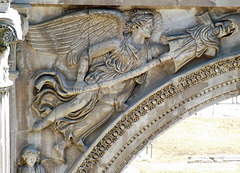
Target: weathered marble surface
<point>154,106</point>
<point>151,3</point>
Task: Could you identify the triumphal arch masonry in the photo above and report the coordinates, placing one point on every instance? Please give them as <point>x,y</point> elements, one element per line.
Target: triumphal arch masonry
<point>86,85</point>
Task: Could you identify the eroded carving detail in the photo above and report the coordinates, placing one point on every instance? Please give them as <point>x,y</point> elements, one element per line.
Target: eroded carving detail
<point>126,48</point>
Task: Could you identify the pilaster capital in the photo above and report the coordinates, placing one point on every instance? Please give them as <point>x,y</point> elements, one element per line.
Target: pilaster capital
<point>10,32</point>
<point>10,27</point>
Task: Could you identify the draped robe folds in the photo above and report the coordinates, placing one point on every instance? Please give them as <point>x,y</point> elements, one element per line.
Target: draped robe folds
<point>198,41</point>
<point>122,60</point>
<point>36,169</point>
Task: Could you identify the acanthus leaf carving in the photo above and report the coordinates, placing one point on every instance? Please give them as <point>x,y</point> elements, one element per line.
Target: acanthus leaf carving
<point>9,33</point>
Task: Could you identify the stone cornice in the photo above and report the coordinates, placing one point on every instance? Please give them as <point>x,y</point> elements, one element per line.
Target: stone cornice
<point>143,3</point>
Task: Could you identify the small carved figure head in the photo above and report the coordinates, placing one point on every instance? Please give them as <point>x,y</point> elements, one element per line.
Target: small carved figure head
<point>30,156</point>
<point>140,18</point>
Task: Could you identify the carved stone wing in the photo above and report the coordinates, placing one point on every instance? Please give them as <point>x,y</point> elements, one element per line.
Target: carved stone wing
<point>74,32</point>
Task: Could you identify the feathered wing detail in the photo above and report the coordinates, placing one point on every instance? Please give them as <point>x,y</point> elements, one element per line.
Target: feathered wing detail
<point>74,32</point>
<point>157,25</point>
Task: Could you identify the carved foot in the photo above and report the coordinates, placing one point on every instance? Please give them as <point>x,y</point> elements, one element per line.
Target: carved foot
<point>122,107</point>
<point>40,125</point>
<point>60,147</point>
<point>81,145</point>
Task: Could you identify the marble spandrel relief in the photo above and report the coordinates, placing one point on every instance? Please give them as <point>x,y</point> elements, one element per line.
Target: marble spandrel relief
<point>111,52</point>
<point>106,49</point>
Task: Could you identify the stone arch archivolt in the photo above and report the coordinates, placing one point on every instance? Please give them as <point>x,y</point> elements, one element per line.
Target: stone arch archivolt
<point>170,103</point>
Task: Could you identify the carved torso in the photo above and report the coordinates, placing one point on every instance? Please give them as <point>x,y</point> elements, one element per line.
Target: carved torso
<point>122,60</point>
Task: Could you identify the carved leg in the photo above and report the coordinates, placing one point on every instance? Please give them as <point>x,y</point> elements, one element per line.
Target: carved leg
<point>60,148</point>
<point>95,118</point>
<point>63,144</point>
<point>63,110</point>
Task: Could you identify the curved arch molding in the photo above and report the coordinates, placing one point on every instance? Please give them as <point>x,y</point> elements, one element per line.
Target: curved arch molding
<point>170,103</point>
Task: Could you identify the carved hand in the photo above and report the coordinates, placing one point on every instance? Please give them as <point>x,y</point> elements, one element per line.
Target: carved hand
<point>165,57</point>
<point>224,28</point>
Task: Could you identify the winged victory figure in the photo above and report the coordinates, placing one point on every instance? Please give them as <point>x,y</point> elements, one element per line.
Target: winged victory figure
<point>107,47</point>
